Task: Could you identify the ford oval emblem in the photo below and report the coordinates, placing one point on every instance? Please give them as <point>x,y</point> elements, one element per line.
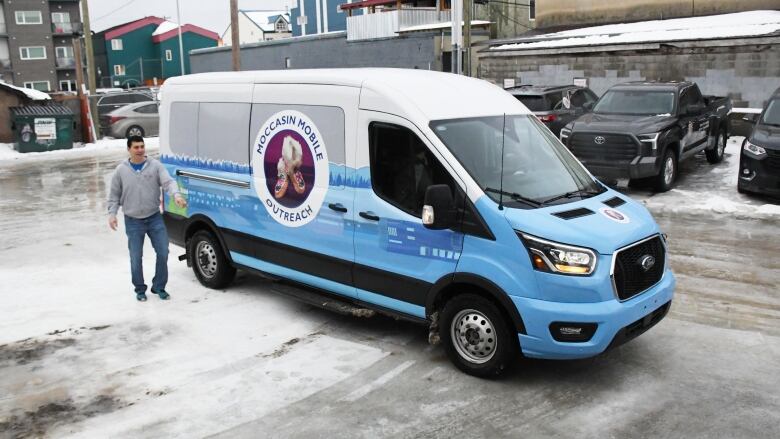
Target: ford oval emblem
<point>599,140</point>
<point>646,262</point>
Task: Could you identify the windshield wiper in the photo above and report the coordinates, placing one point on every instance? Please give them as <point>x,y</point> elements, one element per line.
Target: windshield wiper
<point>577,193</point>
<point>515,196</point>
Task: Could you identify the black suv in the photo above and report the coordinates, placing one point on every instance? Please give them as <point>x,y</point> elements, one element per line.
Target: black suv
<point>759,163</point>
<point>555,106</point>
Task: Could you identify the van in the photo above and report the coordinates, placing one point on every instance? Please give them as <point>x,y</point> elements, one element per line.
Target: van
<point>429,196</point>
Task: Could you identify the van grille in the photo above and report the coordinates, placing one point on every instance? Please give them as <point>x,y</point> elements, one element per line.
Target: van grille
<point>616,147</point>
<point>629,277</point>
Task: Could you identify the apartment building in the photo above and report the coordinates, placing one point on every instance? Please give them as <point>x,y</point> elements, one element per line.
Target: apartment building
<point>36,43</point>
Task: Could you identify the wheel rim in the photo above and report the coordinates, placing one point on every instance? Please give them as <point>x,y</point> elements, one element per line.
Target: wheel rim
<point>135,131</point>
<point>474,336</point>
<point>721,146</point>
<point>206,259</point>
<point>668,170</point>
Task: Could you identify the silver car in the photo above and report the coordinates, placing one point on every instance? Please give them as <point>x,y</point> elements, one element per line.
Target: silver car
<point>139,119</point>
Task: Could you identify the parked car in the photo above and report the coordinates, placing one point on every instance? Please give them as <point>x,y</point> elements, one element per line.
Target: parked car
<point>112,101</point>
<point>139,119</point>
<point>383,189</point>
<point>555,106</point>
<point>759,162</point>
<point>643,130</point>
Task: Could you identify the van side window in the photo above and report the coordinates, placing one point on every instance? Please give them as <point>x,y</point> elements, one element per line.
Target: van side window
<point>184,128</point>
<point>402,167</point>
<point>223,131</point>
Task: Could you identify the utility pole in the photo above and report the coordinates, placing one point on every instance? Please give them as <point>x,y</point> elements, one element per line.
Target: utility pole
<point>467,10</point>
<point>181,46</point>
<point>456,34</point>
<point>90,62</point>
<point>234,38</point>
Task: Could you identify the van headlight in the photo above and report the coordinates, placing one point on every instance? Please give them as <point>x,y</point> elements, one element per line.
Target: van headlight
<point>754,149</point>
<point>554,257</point>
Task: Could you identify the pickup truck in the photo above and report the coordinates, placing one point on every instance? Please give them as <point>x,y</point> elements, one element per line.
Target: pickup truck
<point>643,130</point>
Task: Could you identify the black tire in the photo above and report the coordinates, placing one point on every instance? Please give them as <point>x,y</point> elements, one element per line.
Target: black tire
<point>208,261</point>
<point>477,353</point>
<point>715,155</point>
<point>666,177</point>
<point>135,130</point>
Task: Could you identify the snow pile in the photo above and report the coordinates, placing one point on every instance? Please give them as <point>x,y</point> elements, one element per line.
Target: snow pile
<point>165,26</point>
<point>103,146</point>
<point>33,94</point>
<point>742,24</point>
<point>710,189</point>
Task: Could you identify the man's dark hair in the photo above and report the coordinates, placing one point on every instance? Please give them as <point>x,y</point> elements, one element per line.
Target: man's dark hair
<point>132,139</point>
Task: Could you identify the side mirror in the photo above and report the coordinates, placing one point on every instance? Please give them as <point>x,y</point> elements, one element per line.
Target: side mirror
<point>439,209</point>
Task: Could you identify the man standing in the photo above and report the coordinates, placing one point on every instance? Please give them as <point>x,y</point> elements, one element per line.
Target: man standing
<point>135,186</point>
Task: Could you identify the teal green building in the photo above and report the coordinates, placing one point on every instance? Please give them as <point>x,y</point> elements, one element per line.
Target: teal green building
<point>146,51</point>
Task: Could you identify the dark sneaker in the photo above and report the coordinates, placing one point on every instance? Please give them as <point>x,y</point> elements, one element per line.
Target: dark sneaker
<point>141,297</point>
<point>162,293</point>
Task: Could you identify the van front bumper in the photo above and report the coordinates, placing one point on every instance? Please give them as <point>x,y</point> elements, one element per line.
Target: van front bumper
<point>617,322</point>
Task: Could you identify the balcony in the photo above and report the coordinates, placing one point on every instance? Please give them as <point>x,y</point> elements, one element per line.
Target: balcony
<point>387,24</point>
<point>66,28</point>
<point>66,63</point>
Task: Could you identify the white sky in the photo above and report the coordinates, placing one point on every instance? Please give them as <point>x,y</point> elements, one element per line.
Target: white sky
<point>213,15</point>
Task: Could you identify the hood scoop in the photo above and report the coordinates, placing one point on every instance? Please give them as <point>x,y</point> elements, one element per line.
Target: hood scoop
<point>615,202</point>
<point>575,213</point>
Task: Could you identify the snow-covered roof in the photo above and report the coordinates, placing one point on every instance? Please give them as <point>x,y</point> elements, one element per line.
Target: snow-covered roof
<point>266,20</point>
<point>35,95</point>
<point>443,25</point>
<point>165,26</point>
<point>741,24</point>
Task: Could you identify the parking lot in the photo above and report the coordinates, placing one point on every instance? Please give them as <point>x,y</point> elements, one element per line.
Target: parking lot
<point>82,358</point>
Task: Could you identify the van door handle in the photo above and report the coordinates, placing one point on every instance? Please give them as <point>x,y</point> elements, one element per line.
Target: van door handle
<point>369,216</point>
<point>338,207</point>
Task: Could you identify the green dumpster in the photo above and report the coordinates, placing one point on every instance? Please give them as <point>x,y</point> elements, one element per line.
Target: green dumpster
<point>39,128</point>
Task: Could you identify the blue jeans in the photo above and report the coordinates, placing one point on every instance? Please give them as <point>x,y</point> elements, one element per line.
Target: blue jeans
<point>136,229</point>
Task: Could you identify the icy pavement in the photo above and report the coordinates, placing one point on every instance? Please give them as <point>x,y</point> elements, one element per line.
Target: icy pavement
<point>705,189</point>
<point>81,358</point>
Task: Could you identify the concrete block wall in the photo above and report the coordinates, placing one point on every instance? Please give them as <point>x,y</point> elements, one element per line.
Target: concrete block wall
<point>748,73</point>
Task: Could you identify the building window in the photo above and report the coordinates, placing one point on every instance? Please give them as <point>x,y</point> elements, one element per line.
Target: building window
<point>64,51</point>
<point>38,85</point>
<point>67,85</point>
<point>281,26</point>
<point>119,70</point>
<point>168,55</point>
<point>34,52</point>
<point>29,17</point>
<point>116,44</point>
<point>532,10</point>
<point>60,17</point>
<point>287,63</point>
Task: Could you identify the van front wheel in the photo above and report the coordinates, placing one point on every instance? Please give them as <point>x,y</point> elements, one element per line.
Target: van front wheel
<point>476,336</point>
<point>208,261</point>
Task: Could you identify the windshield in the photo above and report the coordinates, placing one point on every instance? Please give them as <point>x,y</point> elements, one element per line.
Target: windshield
<point>772,113</point>
<point>640,102</point>
<point>536,166</point>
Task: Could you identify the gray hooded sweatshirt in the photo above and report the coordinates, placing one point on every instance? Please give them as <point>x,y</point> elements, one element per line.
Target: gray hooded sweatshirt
<point>139,192</point>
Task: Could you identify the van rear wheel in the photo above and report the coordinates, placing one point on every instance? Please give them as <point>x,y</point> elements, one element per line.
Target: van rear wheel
<point>477,336</point>
<point>208,261</point>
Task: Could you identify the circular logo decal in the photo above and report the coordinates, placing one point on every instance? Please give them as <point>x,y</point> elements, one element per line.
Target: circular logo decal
<point>599,140</point>
<point>290,168</point>
<point>614,215</point>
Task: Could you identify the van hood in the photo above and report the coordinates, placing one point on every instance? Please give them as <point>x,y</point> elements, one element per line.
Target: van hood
<point>635,124</point>
<point>596,230</point>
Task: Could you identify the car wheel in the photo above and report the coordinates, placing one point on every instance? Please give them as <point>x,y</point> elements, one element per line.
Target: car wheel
<point>208,261</point>
<point>665,179</point>
<point>715,155</point>
<point>477,336</point>
<point>134,130</point>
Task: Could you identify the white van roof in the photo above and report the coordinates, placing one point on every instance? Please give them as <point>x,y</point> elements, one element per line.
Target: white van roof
<point>437,95</point>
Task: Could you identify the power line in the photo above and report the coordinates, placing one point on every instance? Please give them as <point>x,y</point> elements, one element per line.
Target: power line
<point>128,3</point>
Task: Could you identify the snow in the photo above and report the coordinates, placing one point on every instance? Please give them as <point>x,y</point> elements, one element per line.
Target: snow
<point>443,25</point>
<point>746,110</point>
<point>704,189</point>
<point>165,26</point>
<point>33,94</point>
<point>9,154</point>
<point>737,25</point>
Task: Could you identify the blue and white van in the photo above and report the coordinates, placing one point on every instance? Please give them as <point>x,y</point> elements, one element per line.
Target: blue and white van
<point>426,195</point>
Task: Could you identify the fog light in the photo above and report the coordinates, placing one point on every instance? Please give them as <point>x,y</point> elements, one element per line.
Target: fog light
<point>572,332</point>
<point>746,171</point>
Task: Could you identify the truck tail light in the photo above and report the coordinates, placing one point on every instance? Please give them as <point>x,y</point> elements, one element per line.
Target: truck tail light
<point>547,118</point>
